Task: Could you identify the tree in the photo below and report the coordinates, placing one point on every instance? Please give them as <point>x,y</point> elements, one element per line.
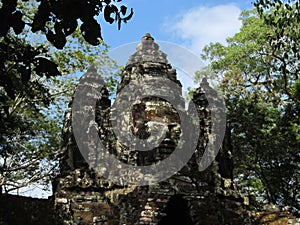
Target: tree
<point>32,94</point>
<point>21,99</point>
<point>260,79</point>
<point>59,19</point>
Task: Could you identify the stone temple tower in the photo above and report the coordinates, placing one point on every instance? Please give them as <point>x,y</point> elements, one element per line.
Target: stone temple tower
<point>83,195</point>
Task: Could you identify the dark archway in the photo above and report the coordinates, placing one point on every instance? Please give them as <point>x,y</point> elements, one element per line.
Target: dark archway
<point>177,211</point>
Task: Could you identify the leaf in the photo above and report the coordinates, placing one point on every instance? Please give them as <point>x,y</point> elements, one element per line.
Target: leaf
<point>41,17</point>
<point>58,40</point>
<point>4,26</point>
<point>129,16</point>
<point>119,24</point>
<point>294,49</point>
<point>50,36</point>
<point>9,90</point>
<point>108,10</point>
<point>91,31</point>
<point>9,5</point>
<point>69,26</point>
<point>45,67</point>
<point>25,74</point>
<point>123,10</point>
<point>17,23</point>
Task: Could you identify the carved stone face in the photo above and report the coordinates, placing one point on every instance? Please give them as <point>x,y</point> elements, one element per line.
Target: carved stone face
<point>84,196</point>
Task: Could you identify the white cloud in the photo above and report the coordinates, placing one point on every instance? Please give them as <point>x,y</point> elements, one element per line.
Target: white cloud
<point>201,25</point>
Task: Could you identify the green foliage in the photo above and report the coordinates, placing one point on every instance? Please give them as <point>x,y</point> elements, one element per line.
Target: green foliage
<point>259,69</point>
<point>207,73</point>
<point>33,94</point>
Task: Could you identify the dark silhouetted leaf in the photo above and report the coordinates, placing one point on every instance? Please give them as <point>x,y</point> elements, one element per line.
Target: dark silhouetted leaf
<point>9,91</point>
<point>45,67</point>
<point>50,36</point>
<point>69,26</point>
<point>9,5</point>
<point>91,31</point>
<point>119,24</point>
<point>4,27</point>
<point>108,10</point>
<point>17,23</point>
<point>58,40</point>
<point>123,9</point>
<point>25,74</point>
<point>6,82</point>
<point>129,16</point>
<point>41,17</point>
<point>58,28</point>
<point>87,12</point>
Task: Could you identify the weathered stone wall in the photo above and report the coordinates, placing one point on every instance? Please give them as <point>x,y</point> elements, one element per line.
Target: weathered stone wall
<point>83,196</point>
<point>20,210</point>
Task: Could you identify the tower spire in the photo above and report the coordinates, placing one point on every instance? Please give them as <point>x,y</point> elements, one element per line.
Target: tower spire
<point>147,51</point>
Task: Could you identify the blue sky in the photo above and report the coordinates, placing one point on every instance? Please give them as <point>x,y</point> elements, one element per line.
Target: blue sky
<point>178,21</point>
<point>190,24</point>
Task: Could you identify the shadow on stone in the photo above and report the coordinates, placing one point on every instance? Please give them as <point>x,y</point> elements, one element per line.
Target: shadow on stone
<point>177,212</point>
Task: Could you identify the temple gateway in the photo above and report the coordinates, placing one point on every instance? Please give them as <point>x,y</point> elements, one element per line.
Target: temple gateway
<point>85,196</point>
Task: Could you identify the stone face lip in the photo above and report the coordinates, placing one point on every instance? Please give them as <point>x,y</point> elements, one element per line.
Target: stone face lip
<point>147,51</point>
